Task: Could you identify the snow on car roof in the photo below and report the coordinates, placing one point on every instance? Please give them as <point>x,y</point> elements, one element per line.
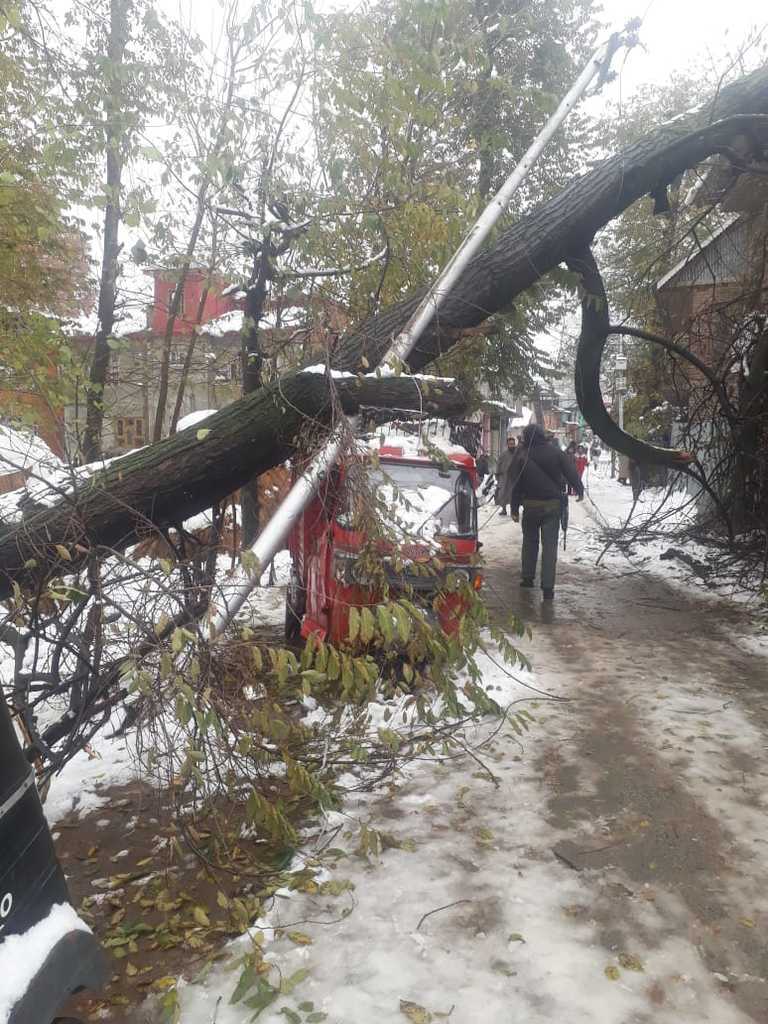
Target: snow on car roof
<point>22,450</point>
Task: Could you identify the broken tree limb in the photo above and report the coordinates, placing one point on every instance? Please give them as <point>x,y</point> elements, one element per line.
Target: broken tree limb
<point>595,331</point>
<point>166,483</point>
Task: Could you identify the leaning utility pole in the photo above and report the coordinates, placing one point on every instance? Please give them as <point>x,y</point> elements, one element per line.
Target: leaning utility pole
<point>272,538</point>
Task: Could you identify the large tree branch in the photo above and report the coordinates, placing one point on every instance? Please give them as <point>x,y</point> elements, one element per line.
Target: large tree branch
<point>566,224</point>
<point>168,482</point>
<point>595,331</point>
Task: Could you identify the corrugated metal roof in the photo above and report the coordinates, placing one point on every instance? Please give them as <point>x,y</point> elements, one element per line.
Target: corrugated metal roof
<point>724,258</point>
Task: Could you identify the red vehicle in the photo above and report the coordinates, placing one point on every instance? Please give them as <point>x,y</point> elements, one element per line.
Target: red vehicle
<point>325,544</point>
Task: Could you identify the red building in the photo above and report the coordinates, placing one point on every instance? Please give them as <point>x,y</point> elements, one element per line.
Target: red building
<point>219,299</point>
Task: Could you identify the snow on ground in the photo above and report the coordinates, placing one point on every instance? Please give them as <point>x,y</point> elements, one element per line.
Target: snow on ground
<point>472,916</point>
<point>468,913</point>
<point>79,786</point>
<point>609,504</point>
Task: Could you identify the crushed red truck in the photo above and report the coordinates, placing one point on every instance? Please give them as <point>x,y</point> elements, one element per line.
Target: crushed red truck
<point>434,522</point>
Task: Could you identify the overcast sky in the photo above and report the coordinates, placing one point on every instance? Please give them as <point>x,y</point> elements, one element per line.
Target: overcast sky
<point>680,33</point>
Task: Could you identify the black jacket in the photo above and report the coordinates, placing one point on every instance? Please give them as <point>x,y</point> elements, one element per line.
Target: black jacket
<point>538,472</point>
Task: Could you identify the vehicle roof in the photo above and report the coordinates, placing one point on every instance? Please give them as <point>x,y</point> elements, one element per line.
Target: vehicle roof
<point>391,453</point>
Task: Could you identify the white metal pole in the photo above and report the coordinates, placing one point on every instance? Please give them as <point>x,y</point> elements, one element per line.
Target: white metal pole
<point>273,536</point>
<point>404,342</point>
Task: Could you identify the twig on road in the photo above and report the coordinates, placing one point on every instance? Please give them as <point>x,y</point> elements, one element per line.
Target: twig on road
<point>437,910</point>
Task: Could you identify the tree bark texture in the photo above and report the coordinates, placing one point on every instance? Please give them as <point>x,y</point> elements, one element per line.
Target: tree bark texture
<point>252,363</point>
<point>166,483</point>
<point>94,414</point>
<point>595,331</point>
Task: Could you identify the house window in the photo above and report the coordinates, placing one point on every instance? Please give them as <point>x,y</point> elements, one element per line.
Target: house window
<point>177,357</point>
<point>129,431</point>
<point>113,373</point>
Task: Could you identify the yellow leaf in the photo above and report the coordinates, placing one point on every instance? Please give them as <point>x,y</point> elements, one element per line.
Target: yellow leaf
<point>166,982</point>
<point>415,1013</point>
<point>130,970</point>
<point>747,922</point>
<point>300,939</point>
<point>630,962</point>
<point>63,553</point>
<point>612,972</point>
<point>201,917</point>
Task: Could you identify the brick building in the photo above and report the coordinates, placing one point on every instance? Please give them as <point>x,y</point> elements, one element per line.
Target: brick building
<point>291,329</point>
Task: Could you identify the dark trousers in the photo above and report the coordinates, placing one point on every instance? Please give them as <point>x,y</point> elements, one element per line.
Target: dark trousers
<point>540,519</point>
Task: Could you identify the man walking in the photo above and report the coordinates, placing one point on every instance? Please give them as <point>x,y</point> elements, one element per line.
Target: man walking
<point>503,482</point>
<point>536,482</point>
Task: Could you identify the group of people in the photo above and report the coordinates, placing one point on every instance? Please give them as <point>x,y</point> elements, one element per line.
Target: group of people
<point>537,476</point>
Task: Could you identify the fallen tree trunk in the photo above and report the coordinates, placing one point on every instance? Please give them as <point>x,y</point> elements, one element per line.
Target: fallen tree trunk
<point>181,476</point>
<point>166,483</point>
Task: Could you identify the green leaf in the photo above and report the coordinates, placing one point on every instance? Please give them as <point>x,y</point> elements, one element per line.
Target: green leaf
<point>403,622</point>
<point>354,624</point>
<point>245,983</point>
<point>367,625</point>
<point>384,616</point>
<point>289,984</point>
<point>260,1002</point>
<point>202,433</point>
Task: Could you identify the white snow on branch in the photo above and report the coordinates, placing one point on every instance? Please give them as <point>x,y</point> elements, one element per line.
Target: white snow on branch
<point>194,417</point>
<point>336,271</point>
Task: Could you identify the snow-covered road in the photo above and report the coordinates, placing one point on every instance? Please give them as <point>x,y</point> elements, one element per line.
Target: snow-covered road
<point>613,871</point>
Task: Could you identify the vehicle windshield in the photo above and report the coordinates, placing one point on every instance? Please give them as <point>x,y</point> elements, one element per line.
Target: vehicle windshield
<point>427,500</point>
